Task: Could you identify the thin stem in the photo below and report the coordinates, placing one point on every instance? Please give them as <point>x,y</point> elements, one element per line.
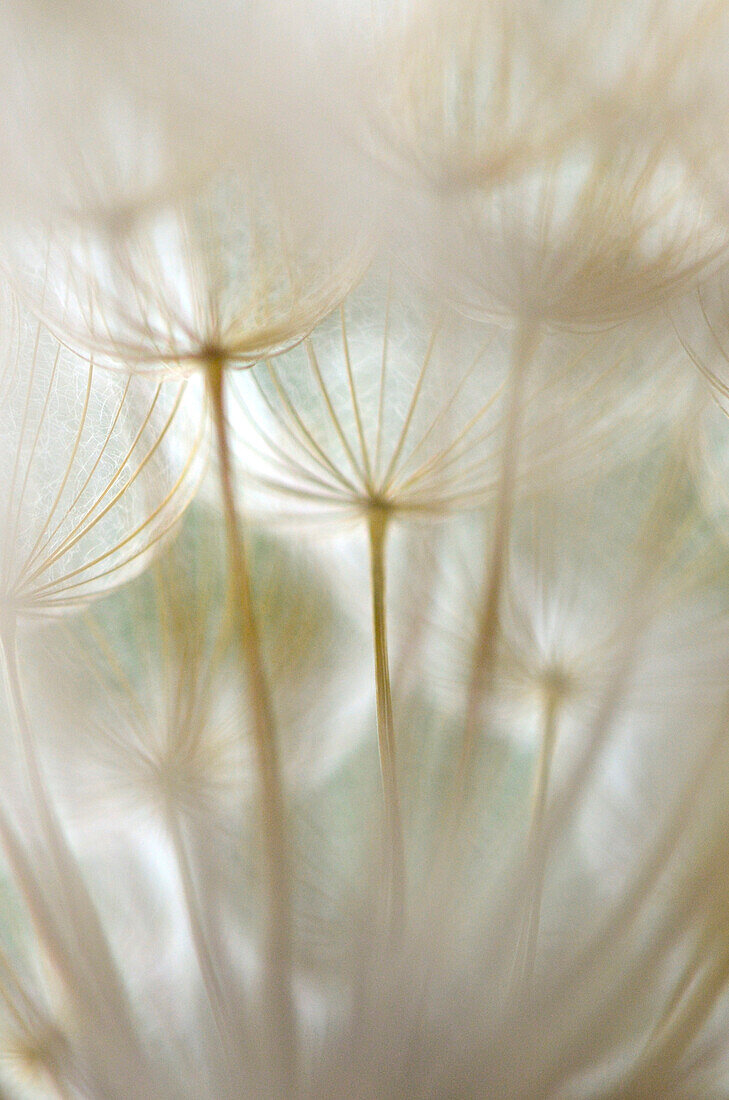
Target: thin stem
<point>685,982</point>
<point>678,1032</point>
<point>536,851</point>
<point>70,881</point>
<point>484,660</point>
<point>279,949</point>
<point>82,954</point>
<point>484,653</point>
<point>36,784</point>
<point>377,528</point>
<point>205,960</point>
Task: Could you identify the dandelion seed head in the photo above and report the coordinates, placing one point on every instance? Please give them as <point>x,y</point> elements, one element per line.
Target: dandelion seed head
<point>91,477</point>
<point>223,270</point>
